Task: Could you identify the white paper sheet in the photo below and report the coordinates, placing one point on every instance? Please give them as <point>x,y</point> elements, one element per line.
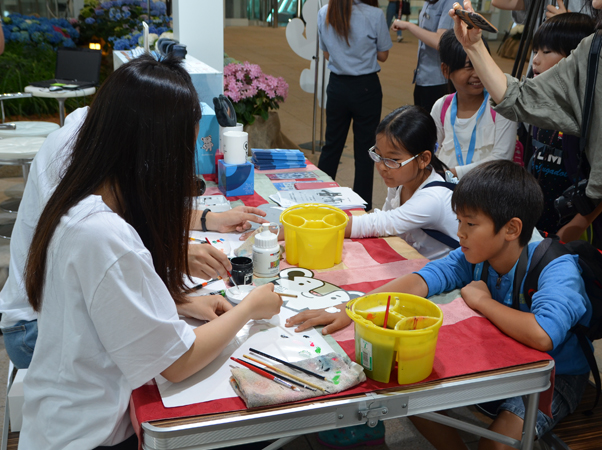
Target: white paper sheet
<point>226,242</point>
<point>341,197</point>
<point>271,337</point>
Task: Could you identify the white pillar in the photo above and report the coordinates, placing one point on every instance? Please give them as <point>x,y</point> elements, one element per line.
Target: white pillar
<point>199,24</point>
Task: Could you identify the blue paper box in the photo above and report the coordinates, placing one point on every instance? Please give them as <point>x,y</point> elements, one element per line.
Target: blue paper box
<point>207,141</point>
<point>235,180</point>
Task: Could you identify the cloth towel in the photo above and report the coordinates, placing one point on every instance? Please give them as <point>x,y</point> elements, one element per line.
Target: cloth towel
<point>256,390</point>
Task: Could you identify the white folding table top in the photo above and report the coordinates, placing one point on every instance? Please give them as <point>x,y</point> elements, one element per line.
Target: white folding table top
<point>30,128</point>
<point>20,147</point>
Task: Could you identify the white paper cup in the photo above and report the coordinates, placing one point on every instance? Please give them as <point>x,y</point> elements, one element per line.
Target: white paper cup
<point>222,130</point>
<point>236,147</point>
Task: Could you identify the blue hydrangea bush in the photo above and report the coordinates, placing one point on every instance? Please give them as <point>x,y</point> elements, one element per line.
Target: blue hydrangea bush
<point>39,31</point>
<point>117,24</point>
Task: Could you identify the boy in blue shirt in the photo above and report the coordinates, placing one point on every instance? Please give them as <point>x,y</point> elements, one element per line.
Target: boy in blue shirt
<point>498,204</point>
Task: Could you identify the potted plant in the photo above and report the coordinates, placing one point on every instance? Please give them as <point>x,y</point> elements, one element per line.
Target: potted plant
<point>255,96</point>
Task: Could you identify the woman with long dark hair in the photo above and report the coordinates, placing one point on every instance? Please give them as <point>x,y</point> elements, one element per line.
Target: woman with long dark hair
<point>430,84</point>
<point>354,37</point>
<point>107,264</point>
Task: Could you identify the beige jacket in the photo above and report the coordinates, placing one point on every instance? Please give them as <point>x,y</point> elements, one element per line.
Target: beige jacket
<point>554,101</point>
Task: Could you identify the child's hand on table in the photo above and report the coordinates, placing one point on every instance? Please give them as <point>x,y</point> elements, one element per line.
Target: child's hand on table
<point>262,302</point>
<point>475,294</point>
<point>206,262</point>
<point>334,321</point>
<point>206,307</point>
<point>236,219</point>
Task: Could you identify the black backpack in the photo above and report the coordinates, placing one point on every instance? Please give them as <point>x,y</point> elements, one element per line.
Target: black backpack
<point>590,261</point>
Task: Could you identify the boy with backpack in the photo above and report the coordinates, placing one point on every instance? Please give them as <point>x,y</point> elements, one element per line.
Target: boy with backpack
<point>498,204</point>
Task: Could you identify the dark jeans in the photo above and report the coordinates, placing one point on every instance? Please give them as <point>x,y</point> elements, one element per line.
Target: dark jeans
<point>392,10</point>
<point>359,99</point>
<point>426,96</point>
<point>130,443</point>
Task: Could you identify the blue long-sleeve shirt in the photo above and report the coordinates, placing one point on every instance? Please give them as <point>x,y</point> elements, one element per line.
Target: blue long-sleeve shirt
<point>559,303</point>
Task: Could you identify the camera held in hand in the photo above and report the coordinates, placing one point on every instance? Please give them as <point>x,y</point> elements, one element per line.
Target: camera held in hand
<point>573,200</point>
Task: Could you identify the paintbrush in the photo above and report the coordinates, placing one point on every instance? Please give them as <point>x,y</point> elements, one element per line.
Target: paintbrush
<point>228,272</point>
<point>304,383</point>
<point>288,364</point>
<point>387,312</point>
<point>267,374</point>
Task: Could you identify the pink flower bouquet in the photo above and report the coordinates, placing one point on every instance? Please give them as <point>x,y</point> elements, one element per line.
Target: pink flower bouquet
<point>252,92</point>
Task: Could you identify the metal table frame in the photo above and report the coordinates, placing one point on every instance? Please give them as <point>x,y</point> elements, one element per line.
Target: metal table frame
<point>285,423</point>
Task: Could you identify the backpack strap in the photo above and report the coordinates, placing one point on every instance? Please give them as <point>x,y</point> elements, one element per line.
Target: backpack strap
<point>493,114</point>
<point>442,237</point>
<point>435,234</point>
<point>445,184</point>
<point>446,103</point>
<point>519,274</point>
<point>547,251</point>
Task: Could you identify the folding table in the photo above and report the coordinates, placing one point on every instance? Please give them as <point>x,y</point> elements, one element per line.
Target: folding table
<point>287,422</point>
<point>367,263</point>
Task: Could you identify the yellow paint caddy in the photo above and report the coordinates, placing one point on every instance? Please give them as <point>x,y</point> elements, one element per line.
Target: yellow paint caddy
<point>410,337</point>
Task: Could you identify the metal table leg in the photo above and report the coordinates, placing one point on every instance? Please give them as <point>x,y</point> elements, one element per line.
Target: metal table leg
<point>61,110</point>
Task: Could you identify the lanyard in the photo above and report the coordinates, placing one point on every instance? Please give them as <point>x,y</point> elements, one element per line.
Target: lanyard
<point>473,138</point>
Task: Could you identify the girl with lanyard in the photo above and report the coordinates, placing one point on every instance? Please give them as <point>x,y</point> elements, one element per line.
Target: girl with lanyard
<point>432,23</point>
<point>469,132</point>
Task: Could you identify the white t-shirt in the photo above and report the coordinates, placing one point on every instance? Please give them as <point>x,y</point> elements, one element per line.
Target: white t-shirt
<point>428,208</point>
<point>494,140</point>
<point>43,179</point>
<point>107,326</point>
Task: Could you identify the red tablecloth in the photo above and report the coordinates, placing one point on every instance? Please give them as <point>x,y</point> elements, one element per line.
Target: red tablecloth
<point>469,346</point>
<point>467,343</point>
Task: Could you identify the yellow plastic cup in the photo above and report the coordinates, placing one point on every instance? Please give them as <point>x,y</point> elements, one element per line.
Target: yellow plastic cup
<point>313,235</point>
<point>410,337</point>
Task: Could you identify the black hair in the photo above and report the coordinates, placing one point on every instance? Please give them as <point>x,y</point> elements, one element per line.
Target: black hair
<point>501,190</point>
<point>338,15</point>
<point>412,128</point>
<point>138,140</point>
<point>596,14</point>
<point>563,32</point>
<point>451,52</point>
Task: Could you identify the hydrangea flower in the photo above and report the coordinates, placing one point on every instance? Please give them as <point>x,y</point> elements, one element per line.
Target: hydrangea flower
<point>252,92</point>
<point>119,18</point>
<point>39,30</point>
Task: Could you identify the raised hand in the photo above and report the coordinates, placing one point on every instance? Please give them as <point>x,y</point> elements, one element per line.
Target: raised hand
<point>467,37</point>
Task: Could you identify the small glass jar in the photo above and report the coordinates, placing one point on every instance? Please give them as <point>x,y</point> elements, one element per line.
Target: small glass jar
<point>242,270</point>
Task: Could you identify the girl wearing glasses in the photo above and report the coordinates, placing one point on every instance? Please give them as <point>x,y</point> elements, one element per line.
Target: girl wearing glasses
<point>418,204</point>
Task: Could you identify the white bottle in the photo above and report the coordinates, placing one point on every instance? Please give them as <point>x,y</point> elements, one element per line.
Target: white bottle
<point>266,254</point>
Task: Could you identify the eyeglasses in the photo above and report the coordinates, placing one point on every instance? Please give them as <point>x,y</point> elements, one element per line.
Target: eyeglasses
<point>390,163</point>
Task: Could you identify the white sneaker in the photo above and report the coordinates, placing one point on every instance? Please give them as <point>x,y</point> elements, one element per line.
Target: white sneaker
<point>399,38</point>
